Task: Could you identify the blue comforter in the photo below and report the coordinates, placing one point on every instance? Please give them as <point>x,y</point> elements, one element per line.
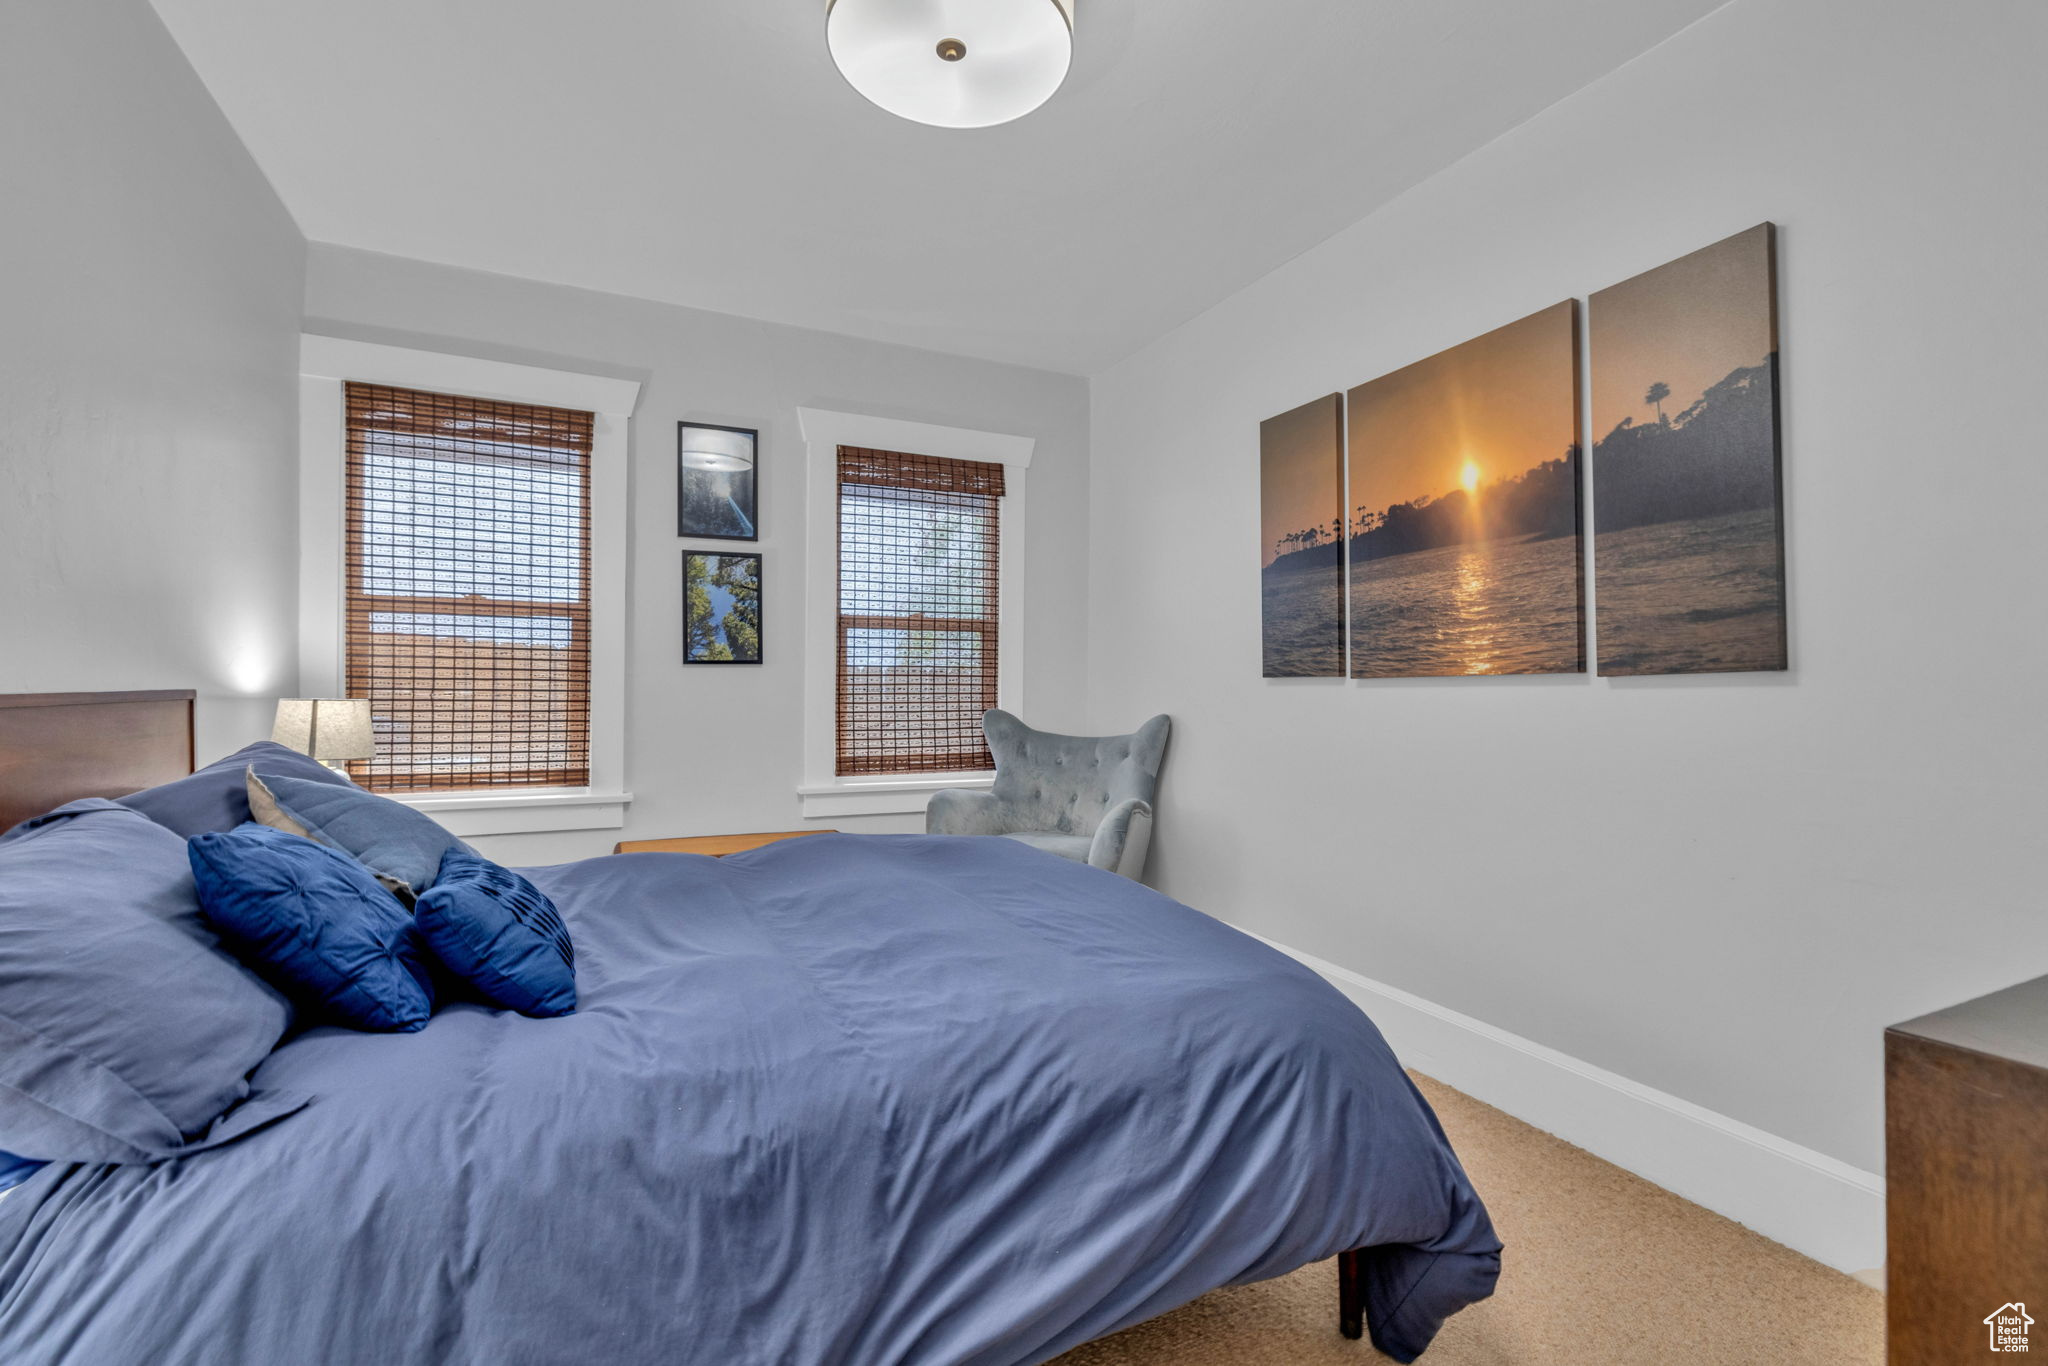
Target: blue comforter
<point>866,1100</point>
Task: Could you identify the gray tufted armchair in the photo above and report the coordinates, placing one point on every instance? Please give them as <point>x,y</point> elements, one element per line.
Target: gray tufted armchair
<point>1082,797</point>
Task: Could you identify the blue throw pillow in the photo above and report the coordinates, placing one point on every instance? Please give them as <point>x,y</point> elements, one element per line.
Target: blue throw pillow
<point>313,921</point>
<point>499,933</point>
<point>125,1030</point>
<point>216,797</point>
<point>398,844</point>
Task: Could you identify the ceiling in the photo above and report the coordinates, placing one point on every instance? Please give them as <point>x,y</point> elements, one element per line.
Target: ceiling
<point>706,152</point>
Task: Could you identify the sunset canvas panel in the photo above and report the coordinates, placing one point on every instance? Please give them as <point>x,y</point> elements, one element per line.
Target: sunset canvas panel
<point>1464,519</point>
<point>1301,516</point>
<point>1688,549</point>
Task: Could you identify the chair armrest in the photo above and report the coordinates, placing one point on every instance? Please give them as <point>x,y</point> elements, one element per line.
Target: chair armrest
<point>1123,838</point>
<point>961,811</point>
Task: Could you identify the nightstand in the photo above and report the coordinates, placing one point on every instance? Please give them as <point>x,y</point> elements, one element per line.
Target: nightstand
<point>717,846</point>
<point>1966,1181</point>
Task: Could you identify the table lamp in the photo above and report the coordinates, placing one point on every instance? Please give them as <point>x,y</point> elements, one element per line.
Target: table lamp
<point>333,730</point>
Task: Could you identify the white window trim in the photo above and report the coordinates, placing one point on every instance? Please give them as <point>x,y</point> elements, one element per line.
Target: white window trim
<point>823,792</point>
<point>324,364</point>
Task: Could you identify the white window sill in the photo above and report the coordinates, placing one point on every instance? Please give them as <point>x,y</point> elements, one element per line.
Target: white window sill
<point>882,796</point>
<point>524,813</point>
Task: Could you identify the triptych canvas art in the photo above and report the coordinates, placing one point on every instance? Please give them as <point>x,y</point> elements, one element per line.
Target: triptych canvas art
<point>1438,509</point>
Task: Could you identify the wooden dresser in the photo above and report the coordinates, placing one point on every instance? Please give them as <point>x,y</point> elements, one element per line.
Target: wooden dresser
<point>1966,1173</point>
<point>717,846</point>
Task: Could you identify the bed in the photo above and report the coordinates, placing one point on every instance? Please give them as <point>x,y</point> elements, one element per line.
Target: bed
<point>847,1099</point>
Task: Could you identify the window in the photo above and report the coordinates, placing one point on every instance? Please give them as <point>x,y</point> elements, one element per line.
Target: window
<point>919,607</point>
<point>468,589</point>
<point>875,734</point>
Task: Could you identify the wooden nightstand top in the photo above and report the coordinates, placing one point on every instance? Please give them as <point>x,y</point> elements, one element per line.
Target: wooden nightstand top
<point>717,846</point>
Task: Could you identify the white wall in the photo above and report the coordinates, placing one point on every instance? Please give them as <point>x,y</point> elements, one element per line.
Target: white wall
<point>150,286</point>
<point>1722,887</point>
<point>711,750</point>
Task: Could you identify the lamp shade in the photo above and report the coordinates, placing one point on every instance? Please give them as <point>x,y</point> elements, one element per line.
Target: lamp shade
<point>330,729</point>
<point>717,448</point>
<point>953,63</point>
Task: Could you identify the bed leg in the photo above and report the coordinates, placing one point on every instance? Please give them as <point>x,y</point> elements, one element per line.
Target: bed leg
<point>1351,1293</point>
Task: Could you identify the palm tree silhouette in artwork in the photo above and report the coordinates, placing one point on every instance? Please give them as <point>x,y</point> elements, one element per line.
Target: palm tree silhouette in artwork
<point>1658,393</point>
<point>1718,455</point>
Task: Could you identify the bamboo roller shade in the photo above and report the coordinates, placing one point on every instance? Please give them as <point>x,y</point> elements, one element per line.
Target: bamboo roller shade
<point>918,595</point>
<point>468,589</point>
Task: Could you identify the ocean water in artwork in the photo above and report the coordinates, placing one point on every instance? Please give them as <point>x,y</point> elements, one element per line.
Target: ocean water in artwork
<point>1700,595</point>
<point>1508,606</point>
<point>1303,621</point>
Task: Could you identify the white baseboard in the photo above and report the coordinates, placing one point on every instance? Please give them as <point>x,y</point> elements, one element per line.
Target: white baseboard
<point>1810,1202</point>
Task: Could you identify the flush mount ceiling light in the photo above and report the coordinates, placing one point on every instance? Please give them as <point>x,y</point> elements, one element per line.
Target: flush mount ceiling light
<point>953,63</point>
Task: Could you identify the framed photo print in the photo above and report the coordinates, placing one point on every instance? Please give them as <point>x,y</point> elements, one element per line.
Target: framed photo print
<point>721,608</point>
<point>715,481</point>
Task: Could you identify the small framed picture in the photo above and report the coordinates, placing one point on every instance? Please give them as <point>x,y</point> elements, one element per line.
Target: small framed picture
<point>715,481</point>
<point>721,608</point>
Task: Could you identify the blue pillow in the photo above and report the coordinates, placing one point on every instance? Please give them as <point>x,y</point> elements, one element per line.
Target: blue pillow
<point>314,922</point>
<point>499,933</point>
<point>124,1028</point>
<point>216,797</point>
<point>398,844</point>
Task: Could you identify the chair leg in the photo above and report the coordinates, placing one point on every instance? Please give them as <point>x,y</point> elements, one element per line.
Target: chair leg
<point>1351,1293</point>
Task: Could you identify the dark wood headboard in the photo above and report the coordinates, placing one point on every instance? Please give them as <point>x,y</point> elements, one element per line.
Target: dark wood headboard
<point>56,747</point>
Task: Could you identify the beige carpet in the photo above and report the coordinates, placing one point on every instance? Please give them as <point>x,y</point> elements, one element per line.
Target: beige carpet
<point>1601,1269</point>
